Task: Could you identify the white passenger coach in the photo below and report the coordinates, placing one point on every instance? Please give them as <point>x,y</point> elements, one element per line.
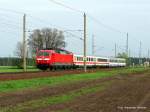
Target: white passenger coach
<point>91,61</point>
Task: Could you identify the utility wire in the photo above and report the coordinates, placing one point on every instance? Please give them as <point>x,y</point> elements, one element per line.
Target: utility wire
<point>62,29</point>
<point>104,25</point>
<point>10,25</point>
<point>66,6</point>
<point>10,10</point>
<point>91,17</point>
<point>73,35</point>
<point>9,19</point>
<point>42,21</point>
<point>8,31</point>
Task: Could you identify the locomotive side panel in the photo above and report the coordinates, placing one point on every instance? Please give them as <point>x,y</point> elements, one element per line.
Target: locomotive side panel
<point>62,59</point>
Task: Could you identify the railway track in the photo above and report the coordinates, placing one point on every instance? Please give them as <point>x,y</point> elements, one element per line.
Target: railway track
<point>38,74</point>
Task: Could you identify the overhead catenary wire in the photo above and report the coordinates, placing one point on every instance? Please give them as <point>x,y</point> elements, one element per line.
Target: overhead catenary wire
<point>39,21</point>
<point>67,6</point>
<point>12,11</point>
<point>10,25</point>
<point>59,27</point>
<point>10,32</point>
<point>93,18</point>
<point>73,9</point>
<point>104,25</point>
<point>9,19</point>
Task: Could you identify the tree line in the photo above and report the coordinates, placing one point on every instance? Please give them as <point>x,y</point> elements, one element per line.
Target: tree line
<point>10,61</point>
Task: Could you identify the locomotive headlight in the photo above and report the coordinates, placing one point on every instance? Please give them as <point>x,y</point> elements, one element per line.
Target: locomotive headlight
<point>39,59</point>
<point>47,59</point>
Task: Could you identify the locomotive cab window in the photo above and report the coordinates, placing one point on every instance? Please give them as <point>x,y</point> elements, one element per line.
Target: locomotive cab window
<point>62,51</point>
<point>43,54</point>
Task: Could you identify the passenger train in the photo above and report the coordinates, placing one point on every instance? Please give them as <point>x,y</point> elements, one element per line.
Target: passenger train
<point>60,58</point>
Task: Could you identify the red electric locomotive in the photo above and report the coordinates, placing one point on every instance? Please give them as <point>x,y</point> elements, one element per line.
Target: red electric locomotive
<point>54,58</point>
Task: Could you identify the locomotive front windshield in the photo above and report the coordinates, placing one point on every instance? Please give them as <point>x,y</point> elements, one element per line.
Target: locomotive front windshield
<point>43,54</point>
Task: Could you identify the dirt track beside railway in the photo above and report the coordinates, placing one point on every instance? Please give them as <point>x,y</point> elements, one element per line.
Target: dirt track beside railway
<point>127,93</point>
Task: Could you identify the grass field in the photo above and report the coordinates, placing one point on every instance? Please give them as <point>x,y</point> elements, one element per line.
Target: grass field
<point>19,88</point>
<point>51,81</point>
<point>7,69</point>
<point>45,101</point>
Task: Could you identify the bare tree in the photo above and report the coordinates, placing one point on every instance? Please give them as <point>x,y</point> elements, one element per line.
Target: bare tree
<point>46,38</point>
<point>19,53</point>
<point>19,50</point>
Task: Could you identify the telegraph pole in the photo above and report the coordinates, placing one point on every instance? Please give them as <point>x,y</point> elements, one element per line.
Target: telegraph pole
<point>129,57</point>
<point>127,45</point>
<point>84,42</point>
<point>24,43</point>
<point>115,50</point>
<point>93,46</point>
<point>148,55</point>
<point>140,53</point>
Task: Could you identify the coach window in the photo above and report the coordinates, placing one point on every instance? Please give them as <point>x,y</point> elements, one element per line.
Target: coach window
<point>76,58</point>
<point>45,54</point>
<point>112,60</point>
<point>81,58</point>
<point>94,59</point>
<point>40,53</point>
<point>102,60</point>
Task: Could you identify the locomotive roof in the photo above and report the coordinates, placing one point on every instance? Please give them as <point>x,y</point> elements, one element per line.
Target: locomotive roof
<point>56,50</point>
<point>52,49</point>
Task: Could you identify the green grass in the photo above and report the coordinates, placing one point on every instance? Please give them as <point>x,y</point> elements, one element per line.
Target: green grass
<point>8,86</point>
<point>48,81</point>
<point>46,101</point>
<point>16,70</point>
<point>8,69</point>
<point>18,85</point>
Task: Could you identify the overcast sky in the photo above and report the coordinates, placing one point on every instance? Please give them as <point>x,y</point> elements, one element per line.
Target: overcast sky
<point>130,16</point>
